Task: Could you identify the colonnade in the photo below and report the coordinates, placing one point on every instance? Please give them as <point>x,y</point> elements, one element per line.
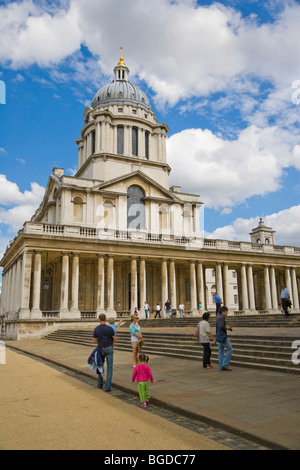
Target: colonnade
<point>102,137</point>
<point>259,285</point>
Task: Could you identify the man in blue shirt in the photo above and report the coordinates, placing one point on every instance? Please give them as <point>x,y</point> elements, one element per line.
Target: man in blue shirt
<point>218,301</point>
<point>221,329</point>
<point>105,337</point>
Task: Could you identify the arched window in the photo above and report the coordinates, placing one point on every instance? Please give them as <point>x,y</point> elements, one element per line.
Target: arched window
<point>136,208</point>
<point>108,214</point>
<point>78,209</point>
<point>163,220</point>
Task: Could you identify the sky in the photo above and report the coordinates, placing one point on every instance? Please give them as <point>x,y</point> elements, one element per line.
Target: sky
<point>224,76</point>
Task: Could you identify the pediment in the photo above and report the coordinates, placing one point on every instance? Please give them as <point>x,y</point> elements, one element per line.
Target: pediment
<point>151,188</point>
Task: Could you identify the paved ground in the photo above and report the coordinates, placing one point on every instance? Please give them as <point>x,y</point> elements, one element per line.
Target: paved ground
<point>260,405</point>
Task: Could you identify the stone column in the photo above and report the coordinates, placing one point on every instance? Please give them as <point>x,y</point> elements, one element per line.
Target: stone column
<point>295,298</point>
<point>64,288</point>
<point>219,282</point>
<point>251,288</point>
<point>273,289</point>
<point>142,287</point>
<point>97,138</point>
<point>201,286</point>
<point>75,288</point>
<point>25,286</point>
<point>133,284</point>
<point>36,294</point>
<point>173,298</point>
<point>100,286</point>
<point>13,287</point>
<point>110,287</point>
<point>226,298</point>
<point>268,303</point>
<point>288,283</point>
<point>164,282</point>
<point>193,289</point>
<point>244,289</point>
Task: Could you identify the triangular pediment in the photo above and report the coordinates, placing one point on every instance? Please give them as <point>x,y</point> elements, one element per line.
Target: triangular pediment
<point>151,188</point>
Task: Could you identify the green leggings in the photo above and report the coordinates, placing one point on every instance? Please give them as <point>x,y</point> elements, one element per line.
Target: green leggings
<point>143,391</point>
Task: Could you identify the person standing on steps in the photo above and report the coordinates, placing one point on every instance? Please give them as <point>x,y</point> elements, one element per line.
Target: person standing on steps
<point>285,300</point>
<point>218,301</point>
<point>146,309</point>
<point>105,337</point>
<point>223,340</point>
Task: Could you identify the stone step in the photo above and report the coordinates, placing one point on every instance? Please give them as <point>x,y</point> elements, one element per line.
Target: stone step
<point>261,352</point>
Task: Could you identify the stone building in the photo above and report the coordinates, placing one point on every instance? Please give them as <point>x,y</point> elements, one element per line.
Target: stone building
<point>116,235</point>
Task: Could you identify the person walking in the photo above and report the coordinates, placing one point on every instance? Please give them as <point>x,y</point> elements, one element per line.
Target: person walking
<point>205,336</point>
<point>142,373</point>
<point>136,337</point>
<point>168,308</point>
<point>181,310</point>
<point>104,335</point>
<point>223,340</point>
<point>146,309</point>
<point>285,300</point>
<point>157,311</point>
<point>218,301</point>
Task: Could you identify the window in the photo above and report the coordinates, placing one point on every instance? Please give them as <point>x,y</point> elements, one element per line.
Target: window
<point>134,141</point>
<point>120,110</point>
<point>136,208</point>
<point>78,209</point>
<point>134,111</point>
<point>93,142</point>
<point>120,140</point>
<point>187,289</point>
<point>147,145</point>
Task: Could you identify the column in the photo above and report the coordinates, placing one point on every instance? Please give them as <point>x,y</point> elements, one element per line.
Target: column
<point>295,298</point>
<point>36,292</point>
<point>100,286</point>
<point>273,289</point>
<point>226,298</point>
<point>97,138</point>
<point>219,282</point>
<point>193,289</point>
<point>201,287</point>
<point>25,286</point>
<point>251,288</point>
<point>244,289</point>
<point>142,287</point>
<point>13,287</point>
<point>164,282</point>
<point>288,283</point>
<point>64,288</point>
<point>268,303</point>
<point>133,285</point>
<point>173,298</point>
<point>110,287</point>
<point>75,288</point>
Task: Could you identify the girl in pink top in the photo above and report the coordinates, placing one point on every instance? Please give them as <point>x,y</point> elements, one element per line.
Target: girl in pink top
<point>142,373</point>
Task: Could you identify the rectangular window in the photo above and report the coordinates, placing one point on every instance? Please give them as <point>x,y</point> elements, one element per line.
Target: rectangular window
<point>120,140</point>
<point>134,141</point>
<point>93,142</point>
<point>187,289</point>
<point>147,145</point>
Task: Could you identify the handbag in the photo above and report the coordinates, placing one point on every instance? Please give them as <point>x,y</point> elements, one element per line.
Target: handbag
<point>197,332</point>
<point>221,338</point>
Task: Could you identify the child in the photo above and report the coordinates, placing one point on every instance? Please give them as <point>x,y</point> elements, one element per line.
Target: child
<point>114,325</point>
<point>142,373</point>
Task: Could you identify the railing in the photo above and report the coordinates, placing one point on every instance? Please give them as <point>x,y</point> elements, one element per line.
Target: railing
<point>142,236</point>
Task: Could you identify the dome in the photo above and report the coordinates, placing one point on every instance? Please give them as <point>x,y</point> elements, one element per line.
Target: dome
<point>121,91</point>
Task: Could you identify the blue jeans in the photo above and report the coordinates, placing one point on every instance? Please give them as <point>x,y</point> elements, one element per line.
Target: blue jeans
<point>224,361</point>
<point>109,358</point>
<point>146,313</point>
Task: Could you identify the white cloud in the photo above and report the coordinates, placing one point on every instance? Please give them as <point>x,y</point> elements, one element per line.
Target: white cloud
<point>286,224</point>
<point>18,207</point>
<point>228,172</point>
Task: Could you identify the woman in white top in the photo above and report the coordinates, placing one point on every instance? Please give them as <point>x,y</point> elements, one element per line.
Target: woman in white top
<point>205,336</point>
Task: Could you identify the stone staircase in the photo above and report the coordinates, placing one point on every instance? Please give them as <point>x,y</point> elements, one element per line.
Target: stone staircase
<point>260,351</point>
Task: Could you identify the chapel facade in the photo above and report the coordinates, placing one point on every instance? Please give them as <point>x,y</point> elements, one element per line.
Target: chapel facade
<point>116,235</point>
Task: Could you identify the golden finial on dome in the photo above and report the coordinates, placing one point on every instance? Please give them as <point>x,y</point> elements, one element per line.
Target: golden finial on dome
<point>121,62</point>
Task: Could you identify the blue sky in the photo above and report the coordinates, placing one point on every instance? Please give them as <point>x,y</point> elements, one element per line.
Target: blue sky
<point>224,76</point>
